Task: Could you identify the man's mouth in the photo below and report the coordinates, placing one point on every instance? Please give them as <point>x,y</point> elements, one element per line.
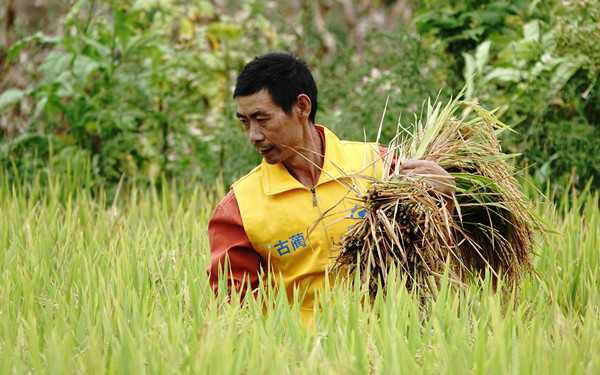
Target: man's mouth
<point>264,150</point>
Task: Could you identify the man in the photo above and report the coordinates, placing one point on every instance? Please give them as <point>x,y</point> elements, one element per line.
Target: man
<point>286,215</point>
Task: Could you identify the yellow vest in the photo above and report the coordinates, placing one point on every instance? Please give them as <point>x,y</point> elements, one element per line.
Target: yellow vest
<point>278,213</point>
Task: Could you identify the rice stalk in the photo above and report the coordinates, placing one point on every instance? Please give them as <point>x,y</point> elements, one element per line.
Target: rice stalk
<point>407,226</point>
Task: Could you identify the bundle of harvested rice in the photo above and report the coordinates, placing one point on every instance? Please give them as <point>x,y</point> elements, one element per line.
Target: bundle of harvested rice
<point>406,224</point>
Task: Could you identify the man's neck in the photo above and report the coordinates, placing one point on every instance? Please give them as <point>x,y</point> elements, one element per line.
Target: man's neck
<point>307,166</point>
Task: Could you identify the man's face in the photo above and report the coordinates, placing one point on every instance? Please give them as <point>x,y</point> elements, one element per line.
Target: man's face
<point>272,132</point>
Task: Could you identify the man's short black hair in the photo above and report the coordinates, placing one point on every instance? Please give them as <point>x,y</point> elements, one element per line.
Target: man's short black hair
<point>283,75</point>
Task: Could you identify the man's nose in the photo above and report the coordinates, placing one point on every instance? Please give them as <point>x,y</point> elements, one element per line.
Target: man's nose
<point>254,133</point>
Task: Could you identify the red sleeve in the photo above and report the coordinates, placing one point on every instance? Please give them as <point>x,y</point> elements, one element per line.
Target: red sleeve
<point>228,240</point>
<point>384,151</point>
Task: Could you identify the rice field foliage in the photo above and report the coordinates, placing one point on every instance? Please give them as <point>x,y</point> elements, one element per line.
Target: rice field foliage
<point>119,287</point>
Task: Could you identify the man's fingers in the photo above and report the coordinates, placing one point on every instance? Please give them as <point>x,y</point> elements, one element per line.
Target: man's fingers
<point>430,172</point>
<point>412,163</point>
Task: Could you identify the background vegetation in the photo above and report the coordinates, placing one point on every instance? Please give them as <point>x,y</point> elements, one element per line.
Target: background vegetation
<point>144,88</point>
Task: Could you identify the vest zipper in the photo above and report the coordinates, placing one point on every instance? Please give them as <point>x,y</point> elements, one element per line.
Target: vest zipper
<point>314,194</point>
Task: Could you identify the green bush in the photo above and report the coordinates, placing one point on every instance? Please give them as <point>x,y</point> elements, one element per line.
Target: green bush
<point>135,90</point>
<point>457,27</point>
<point>540,73</point>
<point>395,68</point>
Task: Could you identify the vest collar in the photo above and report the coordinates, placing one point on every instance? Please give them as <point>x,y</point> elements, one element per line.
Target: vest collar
<point>276,178</point>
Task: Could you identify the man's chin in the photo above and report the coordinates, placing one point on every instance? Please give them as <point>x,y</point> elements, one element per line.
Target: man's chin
<point>271,157</point>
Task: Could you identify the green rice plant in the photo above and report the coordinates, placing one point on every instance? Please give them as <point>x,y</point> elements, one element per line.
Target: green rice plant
<point>91,285</point>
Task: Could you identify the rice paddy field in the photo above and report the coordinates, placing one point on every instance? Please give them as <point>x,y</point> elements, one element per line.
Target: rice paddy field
<point>91,285</point>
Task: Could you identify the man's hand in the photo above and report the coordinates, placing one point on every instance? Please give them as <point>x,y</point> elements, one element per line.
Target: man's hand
<point>434,175</point>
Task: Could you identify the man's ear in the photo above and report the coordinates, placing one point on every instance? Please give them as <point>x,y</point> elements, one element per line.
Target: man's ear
<point>304,105</point>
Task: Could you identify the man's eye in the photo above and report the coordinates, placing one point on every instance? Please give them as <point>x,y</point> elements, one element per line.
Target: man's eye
<point>261,119</point>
